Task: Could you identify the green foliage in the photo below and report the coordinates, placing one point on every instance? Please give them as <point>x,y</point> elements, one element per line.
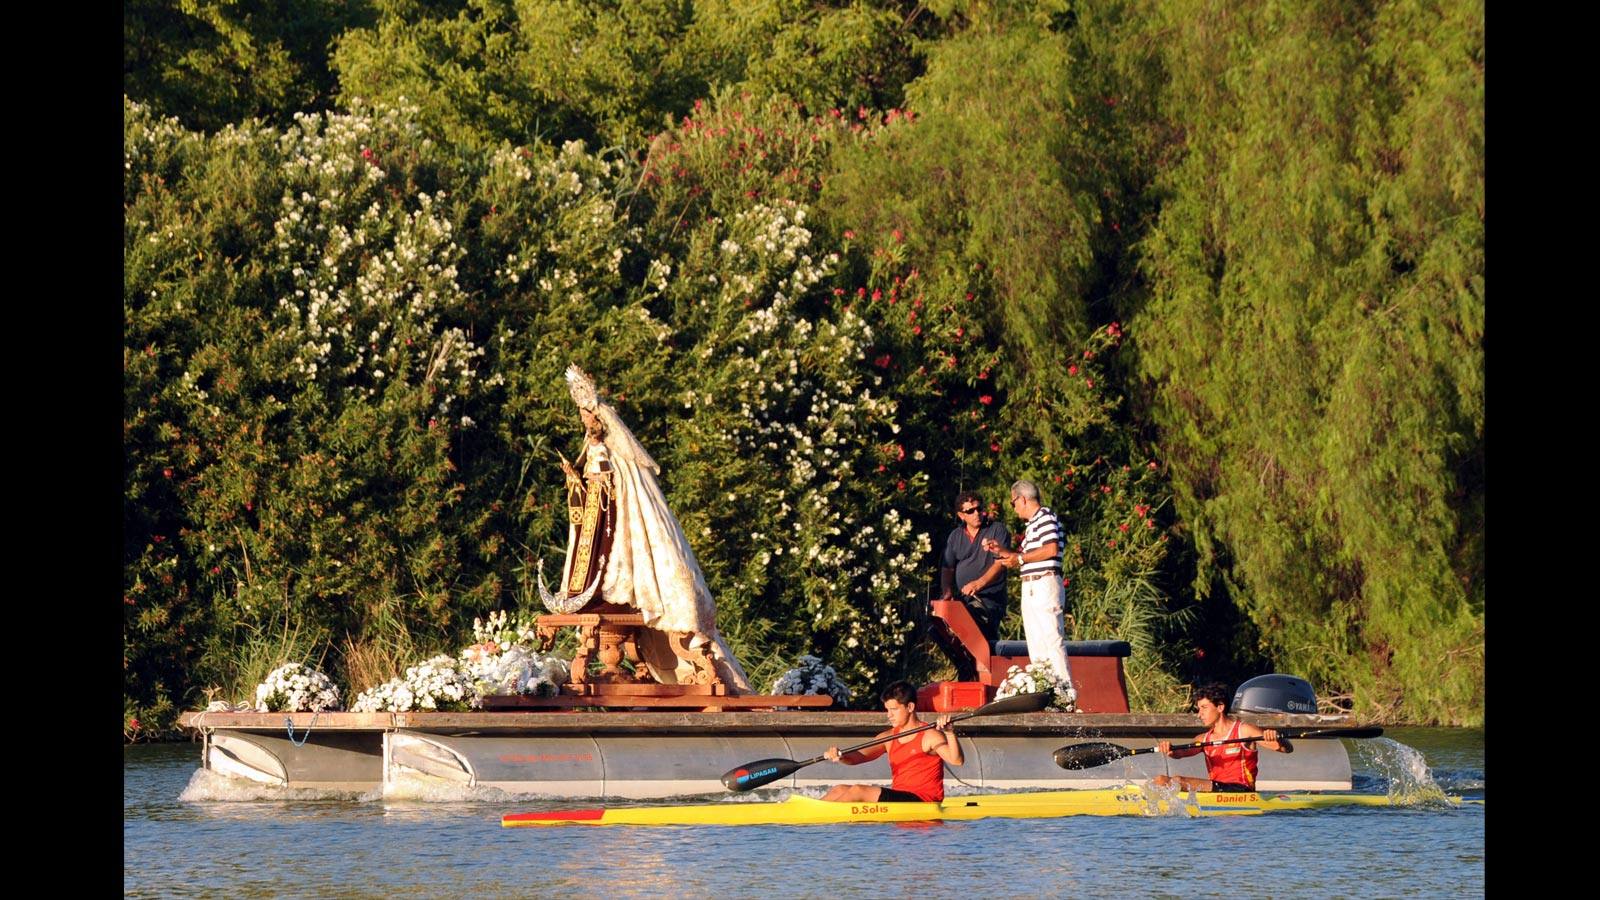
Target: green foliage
<point>852,258</point>
<point>292,376</point>
<point>212,62</point>
<point>483,71</point>
<point>994,191</point>
<point>1314,336</point>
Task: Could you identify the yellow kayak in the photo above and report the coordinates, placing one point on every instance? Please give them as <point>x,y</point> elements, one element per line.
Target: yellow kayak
<point>798,810</point>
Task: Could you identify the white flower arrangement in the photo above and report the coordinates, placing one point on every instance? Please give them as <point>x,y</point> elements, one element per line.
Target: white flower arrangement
<point>502,661</point>
<point>1039,678</point>
<point>516,670</point>
<point>441,683</point>
<point>812,677</point>
<point>295,688</point>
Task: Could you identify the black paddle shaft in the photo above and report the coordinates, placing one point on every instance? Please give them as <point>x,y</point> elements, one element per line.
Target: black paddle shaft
<point>1091,755</point>
<point>765,771</point>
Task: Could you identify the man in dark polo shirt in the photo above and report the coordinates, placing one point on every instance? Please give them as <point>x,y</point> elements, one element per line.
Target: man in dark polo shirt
<point>979,574</point>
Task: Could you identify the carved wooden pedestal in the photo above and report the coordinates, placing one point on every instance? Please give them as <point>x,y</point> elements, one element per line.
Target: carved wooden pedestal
<point>610,632</point>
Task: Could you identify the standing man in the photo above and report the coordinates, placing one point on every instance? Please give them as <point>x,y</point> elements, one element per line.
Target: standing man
<point>1039,560</point>
<point>980,573</point>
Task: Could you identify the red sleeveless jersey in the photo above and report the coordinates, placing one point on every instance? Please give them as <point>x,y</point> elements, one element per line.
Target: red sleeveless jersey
<point>1233,763</point>
<point>915,771</point>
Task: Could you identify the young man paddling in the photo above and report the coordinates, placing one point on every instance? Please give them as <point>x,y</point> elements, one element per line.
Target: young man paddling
<point>916,761</point>
<point>1229,767</point>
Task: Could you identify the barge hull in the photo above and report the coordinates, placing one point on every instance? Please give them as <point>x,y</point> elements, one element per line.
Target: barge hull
<point>656,755</point>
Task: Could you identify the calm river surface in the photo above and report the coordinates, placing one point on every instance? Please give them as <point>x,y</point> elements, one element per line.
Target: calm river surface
<point>452,846</point>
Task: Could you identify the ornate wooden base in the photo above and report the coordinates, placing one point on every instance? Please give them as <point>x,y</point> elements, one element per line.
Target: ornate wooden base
<point>610,632</point>
<point>686,701</point>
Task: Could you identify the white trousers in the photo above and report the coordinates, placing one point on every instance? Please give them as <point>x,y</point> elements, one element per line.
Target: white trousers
<point>1042,608</point>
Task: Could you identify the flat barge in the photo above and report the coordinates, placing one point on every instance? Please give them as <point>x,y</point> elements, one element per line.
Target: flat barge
<point>662,754</point>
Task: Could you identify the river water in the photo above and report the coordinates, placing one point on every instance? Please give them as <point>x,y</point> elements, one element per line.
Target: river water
<point>187,833</point>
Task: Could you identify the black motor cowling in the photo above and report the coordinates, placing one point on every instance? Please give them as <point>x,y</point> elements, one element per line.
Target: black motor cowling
<point>1275,694</point>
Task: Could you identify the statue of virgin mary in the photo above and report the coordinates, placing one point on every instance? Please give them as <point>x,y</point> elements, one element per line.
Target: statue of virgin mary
<point>626,547</point>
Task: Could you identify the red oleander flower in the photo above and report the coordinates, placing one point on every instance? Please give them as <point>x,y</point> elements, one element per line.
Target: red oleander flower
<point>984,375</point>
<point>900,485</point>
<point>133,724</point>
<point>1123,527</point>
<point>166,473</point>
<point>961,332</point>
<point>916,329</point>
<point>838,292</point>
<point>877,295</point>
<point>995,447</point>
<point>985,399</point>
<point>861,292</point>
<point>1072,370</point>
<point>898,237</point>
<point>1152,464</point>
<point>849,235</point>
<point>1089,382</point>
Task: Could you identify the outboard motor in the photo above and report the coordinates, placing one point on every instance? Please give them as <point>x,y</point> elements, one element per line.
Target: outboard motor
<point>1274,694</point>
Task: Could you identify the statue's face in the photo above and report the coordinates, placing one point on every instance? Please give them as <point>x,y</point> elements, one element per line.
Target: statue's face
<point>591,423</point>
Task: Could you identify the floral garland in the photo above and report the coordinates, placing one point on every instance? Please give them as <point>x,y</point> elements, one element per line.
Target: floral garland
<point>297,687</point>
<point>1039,678</point>
<point>812,677</point>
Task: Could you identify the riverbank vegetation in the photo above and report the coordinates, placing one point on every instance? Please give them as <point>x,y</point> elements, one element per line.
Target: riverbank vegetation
<point>1211,275</point>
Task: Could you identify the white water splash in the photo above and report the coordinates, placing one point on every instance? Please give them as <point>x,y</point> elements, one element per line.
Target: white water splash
<point>206,786</point>
<point>1410,780</point>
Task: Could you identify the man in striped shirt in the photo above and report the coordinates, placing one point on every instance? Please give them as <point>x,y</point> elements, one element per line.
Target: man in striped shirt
<point>1039,558</point>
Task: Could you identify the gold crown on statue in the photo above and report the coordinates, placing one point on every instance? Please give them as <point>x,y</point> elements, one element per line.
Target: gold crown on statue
<point>583,392</point>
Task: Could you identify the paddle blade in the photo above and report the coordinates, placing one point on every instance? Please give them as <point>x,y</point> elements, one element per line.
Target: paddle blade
<point>1090,755</point>
<point>1014,704</point>
<point>750,776</point>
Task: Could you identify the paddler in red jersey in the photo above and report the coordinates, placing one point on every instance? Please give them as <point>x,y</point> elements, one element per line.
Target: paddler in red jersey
<point>916,761</point>
<point>1229,767</point>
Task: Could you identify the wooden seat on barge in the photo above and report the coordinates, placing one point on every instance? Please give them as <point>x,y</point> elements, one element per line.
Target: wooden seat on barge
<point>1097,673</point>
